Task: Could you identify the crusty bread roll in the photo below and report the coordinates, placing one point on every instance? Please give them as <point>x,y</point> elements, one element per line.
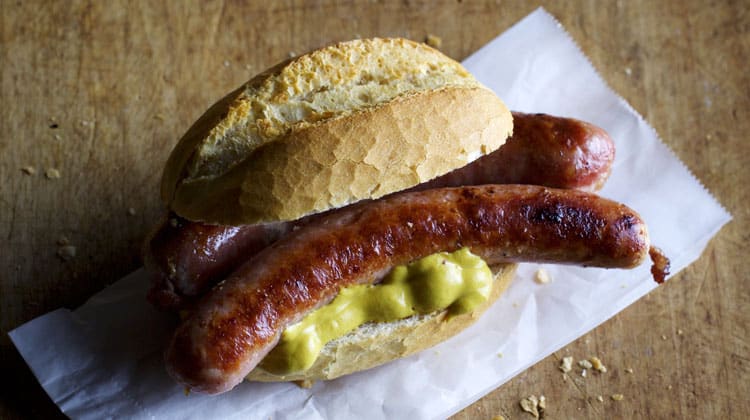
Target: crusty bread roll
<point>374,344</point>
<point>352,121</point>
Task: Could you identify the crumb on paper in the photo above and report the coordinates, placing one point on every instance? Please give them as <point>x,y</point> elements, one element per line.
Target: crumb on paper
<point>565,377</point>
<point>664,337</point>
<point>227,63</point>
<point>57,137</point>
<point>566,365</point>
<point>628,370</point>
<point>131,211</point>
<point>28,170</point>
<point>669,386</point>
<point>248,67</point>
<point>530,405</point>
<point>542,403</point>
<point>628,71</point>
<point>515,304</point>
<point>86,123</point>
<point>617,397</point>
<point>679,332</point>
<point>597,364</point>
<point>66,252</point>
<point>585,364</point>
<point>600,398</point>
<point>52,173</point>
<point>583,373</point>
<point>159,117</point>
<point>291,54</point>
<point>542,276</point>
<point>305,383</point>
<point>498,417</point>
<point>433,40</point>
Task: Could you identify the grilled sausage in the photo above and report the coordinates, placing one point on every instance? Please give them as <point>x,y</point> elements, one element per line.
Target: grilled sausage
<point>242,319</point>
<point>186,258</point>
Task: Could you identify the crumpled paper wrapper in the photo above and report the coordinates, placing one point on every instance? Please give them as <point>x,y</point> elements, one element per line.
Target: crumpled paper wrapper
<point>104,359</point>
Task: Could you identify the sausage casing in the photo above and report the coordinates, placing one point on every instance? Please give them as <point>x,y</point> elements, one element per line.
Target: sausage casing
<point>187,258</point>
<point>241,320</point>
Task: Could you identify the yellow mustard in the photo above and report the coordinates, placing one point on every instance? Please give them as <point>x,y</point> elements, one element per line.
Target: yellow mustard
<point>457,281</point>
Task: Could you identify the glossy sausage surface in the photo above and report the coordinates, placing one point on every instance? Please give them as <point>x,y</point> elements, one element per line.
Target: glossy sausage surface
<point>186,258</point>
<point>242,318</point>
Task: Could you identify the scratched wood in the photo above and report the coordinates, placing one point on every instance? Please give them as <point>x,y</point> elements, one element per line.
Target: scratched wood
<point>100,92</point>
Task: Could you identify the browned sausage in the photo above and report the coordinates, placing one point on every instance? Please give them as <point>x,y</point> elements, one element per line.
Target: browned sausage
<point>186,259</point>
<point>242,319</point>
<point>544,150</point>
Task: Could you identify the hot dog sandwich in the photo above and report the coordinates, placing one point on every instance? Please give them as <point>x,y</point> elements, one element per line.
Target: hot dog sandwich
<point>349,211</point>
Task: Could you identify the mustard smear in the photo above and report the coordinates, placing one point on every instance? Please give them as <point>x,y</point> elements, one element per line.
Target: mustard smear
<point>457,281</point>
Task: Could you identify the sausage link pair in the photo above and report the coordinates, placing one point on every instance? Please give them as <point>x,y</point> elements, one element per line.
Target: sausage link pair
<point>186,258</point>
<point>241,320</point>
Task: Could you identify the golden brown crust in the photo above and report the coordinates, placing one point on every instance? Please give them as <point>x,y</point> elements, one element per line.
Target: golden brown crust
<point>354,120</point>
<point>379,343</point>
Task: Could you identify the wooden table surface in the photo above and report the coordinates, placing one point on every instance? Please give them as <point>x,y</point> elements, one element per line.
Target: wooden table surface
<point>101,91</point>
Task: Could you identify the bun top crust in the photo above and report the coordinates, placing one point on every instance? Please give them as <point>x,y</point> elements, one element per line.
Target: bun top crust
<point>352,121</point>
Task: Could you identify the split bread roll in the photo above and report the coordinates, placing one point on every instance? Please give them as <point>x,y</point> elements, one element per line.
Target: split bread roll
<point>376,343</point>
<point>352,121</point>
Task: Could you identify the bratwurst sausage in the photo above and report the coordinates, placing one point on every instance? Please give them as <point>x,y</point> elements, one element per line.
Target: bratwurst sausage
<point>241,320</point>
<point>187,258</point>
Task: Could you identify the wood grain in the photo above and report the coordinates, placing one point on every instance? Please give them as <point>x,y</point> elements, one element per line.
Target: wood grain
<point>102,90</point>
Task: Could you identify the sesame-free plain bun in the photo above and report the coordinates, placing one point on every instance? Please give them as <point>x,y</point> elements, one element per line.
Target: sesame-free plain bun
<point>351,121</point>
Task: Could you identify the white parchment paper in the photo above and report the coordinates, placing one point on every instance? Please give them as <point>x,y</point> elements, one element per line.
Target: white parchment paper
<point>104,359</point>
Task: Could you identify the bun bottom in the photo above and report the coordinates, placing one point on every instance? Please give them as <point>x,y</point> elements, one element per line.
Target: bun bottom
<point>374,344</point>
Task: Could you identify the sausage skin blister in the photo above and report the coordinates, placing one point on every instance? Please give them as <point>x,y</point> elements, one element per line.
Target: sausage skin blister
<point>187,258</point>
<point>241,320</point>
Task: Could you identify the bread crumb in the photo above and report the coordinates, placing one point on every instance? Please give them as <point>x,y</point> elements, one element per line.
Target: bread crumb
<point>663,337</point>
<point>565,377</point>
<point>542,403</point>
<point>628,71</point>
<point>305,383</point>
<point>66,252</point>
<point>600,398</point>
<point>226,63</point>
<point>498,417</point>
<point>85,123</point>
<point>629,370</point>
<point>567,364</point>
<point>585,364</point>
<point>530,405</point>
<point>583,373</point>
<point>131,211</point>
<point>52,173</point>
<point>291,54</point>
<point>248,67</point>
<point>617,397</point>
<point>669,386</point>
<point>434,41</point>
<point>542,276</point>
<point>28,170</point>
<point>597,364</point>
<point>174,222</point>
<point>159,117</point>
<point>57,137</point>
<point>679,332</point>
